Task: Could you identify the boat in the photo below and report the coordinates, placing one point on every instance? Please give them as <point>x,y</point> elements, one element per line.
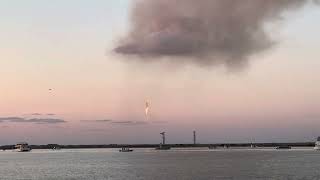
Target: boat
<point>283,147</point>
<point>56,148</point>
<point>253,146</point>
<point>22,147</point>
<point>125,150</point>
<point>317,146</point>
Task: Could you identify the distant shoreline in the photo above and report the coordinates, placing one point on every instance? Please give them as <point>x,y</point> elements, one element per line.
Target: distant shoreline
<point>218,145</point>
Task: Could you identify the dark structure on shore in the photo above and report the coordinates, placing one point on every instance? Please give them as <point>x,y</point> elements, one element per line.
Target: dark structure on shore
<point>240,145</point>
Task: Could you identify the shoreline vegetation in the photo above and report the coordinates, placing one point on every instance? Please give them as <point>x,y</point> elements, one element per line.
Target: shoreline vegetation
<point>211,146</point>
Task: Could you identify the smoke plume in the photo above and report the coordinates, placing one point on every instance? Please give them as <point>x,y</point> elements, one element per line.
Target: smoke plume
<point>207,31</point>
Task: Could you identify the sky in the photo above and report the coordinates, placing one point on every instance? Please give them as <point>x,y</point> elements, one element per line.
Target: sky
<point>61,82</point>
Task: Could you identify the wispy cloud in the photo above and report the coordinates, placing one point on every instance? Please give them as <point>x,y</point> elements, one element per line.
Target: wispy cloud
<point>124,123</point>
<point>36,114</point>
<point>40,114</point>
<point>97,121</point>
<point>109,121</point>
<point>11,119</point>
<point>33,120</point>
<point>45,121</point>
<point>129,123</point>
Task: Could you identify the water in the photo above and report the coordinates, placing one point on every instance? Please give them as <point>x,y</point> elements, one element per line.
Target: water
<point>147,164</point>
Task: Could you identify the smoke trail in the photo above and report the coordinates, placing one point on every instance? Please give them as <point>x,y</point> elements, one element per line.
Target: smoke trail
<point>208,31</point>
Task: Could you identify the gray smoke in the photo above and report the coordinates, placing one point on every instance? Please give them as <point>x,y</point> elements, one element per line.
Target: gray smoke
<point>207,31</point>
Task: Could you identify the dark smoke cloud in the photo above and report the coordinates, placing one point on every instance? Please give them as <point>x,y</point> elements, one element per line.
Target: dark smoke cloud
<point>208,31</point>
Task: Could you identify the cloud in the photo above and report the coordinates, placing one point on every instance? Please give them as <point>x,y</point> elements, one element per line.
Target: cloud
<point>36,114</point>
<point>109,121</point>
<point>97,121</point>
<point>40,114</point>
<point>129,123</point>
<point>124,123</point>
<point>33,120</point>
<point>206,32</point>
<point>11,119</point>
<point>45,121</point>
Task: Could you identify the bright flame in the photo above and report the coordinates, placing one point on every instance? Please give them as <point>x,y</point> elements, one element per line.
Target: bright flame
<point>147,108</point>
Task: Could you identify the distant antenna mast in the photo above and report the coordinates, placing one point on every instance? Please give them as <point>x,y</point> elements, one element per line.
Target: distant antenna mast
<point>163,138</point>
<point>194,138</point>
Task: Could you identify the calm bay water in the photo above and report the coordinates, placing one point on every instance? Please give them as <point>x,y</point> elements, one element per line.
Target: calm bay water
<point>147,164</point>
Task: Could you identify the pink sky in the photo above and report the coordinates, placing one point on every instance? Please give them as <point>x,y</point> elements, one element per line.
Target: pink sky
<point>277,97</point>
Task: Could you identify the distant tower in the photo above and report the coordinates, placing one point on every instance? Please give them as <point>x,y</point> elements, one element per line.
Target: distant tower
<point>163,138</point>
<point>194,138</point>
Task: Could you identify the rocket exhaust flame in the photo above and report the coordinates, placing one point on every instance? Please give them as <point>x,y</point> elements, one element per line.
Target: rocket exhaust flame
<point>147,108</point>
<point>210,32</point>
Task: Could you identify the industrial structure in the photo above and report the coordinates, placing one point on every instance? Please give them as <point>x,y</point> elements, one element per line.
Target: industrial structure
<point>163,145</point>
<point>163,138</point>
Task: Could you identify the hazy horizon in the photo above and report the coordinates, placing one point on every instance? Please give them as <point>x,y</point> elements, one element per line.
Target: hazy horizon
<point>61,81</point>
